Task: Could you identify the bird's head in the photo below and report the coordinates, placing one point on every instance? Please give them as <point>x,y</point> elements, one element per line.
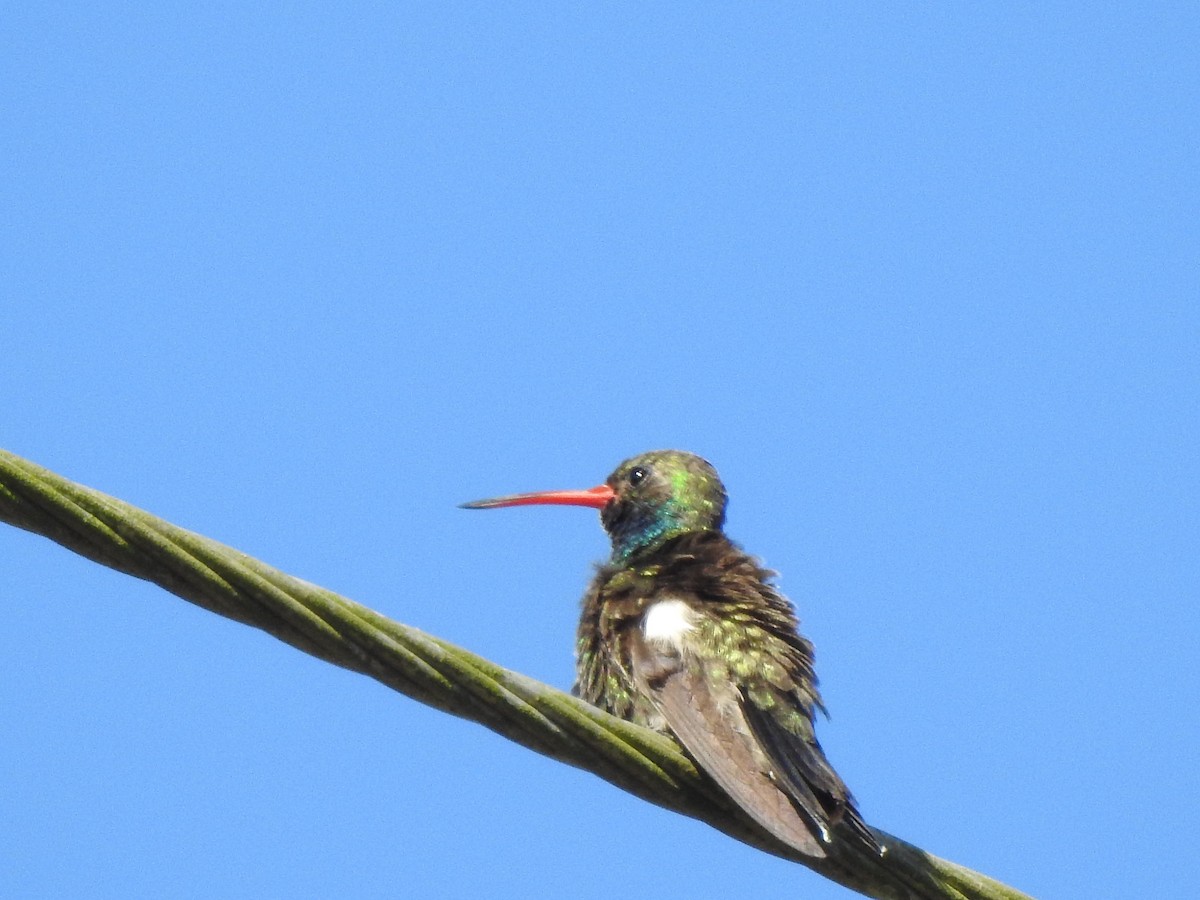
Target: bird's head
<point>648,499</point>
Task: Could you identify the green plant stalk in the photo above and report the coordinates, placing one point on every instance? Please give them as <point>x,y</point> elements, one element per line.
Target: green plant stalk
<point>439,674</point>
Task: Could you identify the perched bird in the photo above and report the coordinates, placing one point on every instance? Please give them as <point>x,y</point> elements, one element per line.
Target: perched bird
<point>683,632</point>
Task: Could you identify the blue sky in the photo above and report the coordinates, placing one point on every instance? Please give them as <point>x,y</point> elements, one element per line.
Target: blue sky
<point>924,284</point>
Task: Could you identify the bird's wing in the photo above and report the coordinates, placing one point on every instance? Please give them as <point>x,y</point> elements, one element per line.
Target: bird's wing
<point>710,721</point>
<point>801,767</point>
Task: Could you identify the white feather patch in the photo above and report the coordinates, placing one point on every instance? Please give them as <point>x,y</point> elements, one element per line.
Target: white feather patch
<point>667,621</point>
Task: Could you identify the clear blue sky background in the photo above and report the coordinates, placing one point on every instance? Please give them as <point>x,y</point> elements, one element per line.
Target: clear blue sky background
<point>923,284</point>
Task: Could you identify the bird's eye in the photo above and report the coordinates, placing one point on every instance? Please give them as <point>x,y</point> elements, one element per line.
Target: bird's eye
<point>637,475</point>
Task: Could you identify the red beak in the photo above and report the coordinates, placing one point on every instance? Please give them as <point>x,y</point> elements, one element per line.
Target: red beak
<point>597,497</point>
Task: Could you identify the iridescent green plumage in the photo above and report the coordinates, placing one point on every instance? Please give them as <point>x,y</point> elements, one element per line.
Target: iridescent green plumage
<point>683,632</point>
<point>684,495</point>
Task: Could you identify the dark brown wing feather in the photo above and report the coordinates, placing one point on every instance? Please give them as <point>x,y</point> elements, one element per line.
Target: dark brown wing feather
<point>801,767</point>
<point>710,723</point>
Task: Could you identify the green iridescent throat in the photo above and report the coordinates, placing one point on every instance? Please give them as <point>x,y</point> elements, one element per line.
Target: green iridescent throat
<point>667,521</point>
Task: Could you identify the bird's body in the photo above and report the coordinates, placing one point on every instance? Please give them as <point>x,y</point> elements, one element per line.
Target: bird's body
<point>683,632</point>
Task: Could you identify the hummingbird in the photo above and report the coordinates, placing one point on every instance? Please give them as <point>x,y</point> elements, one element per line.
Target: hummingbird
<point>683,632</point>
